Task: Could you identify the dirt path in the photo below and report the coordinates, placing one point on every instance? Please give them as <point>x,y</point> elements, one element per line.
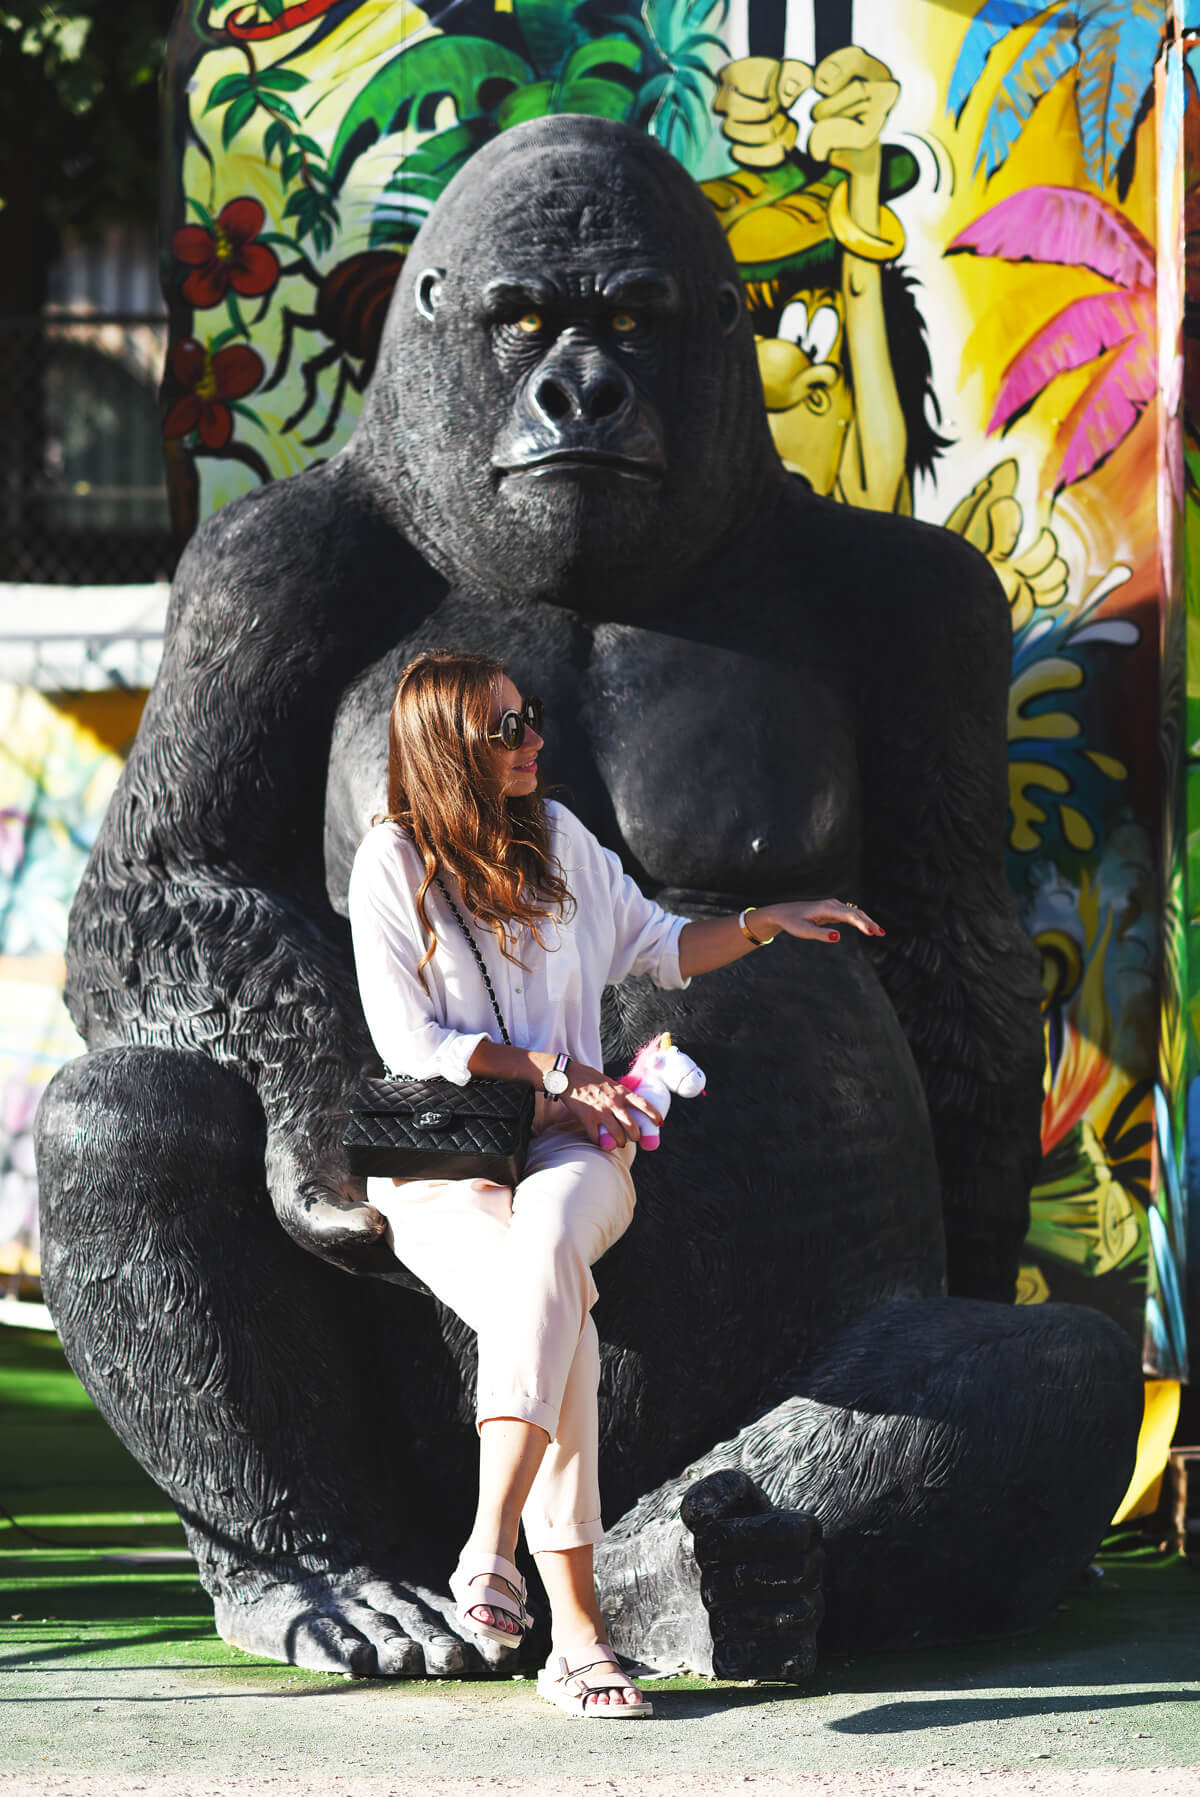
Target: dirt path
<point>874,1782</point>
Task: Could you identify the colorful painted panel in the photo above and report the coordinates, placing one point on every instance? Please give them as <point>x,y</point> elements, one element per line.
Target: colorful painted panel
<point>62,755</point>
<point>945,220</point>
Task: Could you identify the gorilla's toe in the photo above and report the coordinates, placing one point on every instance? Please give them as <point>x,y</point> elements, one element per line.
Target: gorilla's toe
<point>304,1634</point>
<point>355,1622</point>
<point>414,1612</point>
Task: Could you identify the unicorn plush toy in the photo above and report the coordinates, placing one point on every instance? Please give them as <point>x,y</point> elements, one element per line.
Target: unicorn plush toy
<point>656,1072</point>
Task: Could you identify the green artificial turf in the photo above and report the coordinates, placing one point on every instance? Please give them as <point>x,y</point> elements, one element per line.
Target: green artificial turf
<point>80,1517</point>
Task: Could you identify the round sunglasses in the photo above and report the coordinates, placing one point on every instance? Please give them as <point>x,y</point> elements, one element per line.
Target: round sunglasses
<point>510,731</point>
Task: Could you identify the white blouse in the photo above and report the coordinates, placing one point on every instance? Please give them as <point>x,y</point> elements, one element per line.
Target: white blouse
<point>550,1004</point>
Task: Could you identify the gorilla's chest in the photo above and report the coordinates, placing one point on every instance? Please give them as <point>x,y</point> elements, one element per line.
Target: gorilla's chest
<point>714,769</point>
<point>728,772</point>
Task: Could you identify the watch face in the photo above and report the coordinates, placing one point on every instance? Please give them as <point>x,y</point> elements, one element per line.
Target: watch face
<point>555,1081</point>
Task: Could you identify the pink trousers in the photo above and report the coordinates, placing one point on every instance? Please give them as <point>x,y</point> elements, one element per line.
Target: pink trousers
<point>517,1267</point>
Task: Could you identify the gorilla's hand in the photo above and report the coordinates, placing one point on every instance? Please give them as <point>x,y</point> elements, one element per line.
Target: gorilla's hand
<point>325,1210</point>
<point>760,1578</point>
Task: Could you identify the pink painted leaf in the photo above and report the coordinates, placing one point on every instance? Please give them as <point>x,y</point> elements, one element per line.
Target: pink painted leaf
<point>1065,225</point>
<point>1073,337</point>
<point>1107,411</point>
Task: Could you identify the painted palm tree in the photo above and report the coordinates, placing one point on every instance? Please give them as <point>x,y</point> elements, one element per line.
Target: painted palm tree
<point>650,65</point>
<point>1111,46</point>
<point>1115,331</point>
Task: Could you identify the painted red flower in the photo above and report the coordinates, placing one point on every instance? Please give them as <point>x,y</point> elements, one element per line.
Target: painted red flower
<point>227,256</point>
<point>209,382</point>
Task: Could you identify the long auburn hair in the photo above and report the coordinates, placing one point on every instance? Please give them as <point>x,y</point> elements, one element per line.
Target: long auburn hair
<point>443,787</point>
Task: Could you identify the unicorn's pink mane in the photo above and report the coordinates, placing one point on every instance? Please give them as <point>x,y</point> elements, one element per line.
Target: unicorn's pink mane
<point>642,1062</point>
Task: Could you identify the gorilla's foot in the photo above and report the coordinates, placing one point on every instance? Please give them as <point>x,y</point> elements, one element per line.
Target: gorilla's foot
<point>724,1584</point>
<point>360,1621</point>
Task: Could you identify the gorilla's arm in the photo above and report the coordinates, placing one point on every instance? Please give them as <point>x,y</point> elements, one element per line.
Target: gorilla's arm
<point>202,921</point>
<point>962,976</point>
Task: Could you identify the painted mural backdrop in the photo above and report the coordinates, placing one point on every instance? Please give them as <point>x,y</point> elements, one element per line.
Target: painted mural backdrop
<point>945,219</point>
<point>61,758</point>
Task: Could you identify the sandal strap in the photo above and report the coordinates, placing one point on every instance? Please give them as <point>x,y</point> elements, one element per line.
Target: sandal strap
<point>493,1598</point>
<point>576,1676</point>
<point>472,1568</point>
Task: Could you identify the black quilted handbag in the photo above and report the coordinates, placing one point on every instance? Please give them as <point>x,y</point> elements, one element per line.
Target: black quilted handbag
<point>432,1129</point>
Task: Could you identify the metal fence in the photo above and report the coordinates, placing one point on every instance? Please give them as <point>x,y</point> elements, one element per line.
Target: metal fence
<point>82,491</point>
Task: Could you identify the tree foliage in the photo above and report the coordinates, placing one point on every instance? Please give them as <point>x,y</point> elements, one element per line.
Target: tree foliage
<point>80,114</point>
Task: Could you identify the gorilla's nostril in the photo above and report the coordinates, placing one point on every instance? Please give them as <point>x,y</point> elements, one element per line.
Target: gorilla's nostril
<point>554,400</point>
<point>606,399</point>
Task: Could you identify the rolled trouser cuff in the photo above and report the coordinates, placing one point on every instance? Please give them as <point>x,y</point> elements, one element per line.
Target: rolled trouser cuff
<point>519,1407</point>
<point>544,1537</point>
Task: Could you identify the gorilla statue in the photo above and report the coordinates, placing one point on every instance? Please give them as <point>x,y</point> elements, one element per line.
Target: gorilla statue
<point>563,461</point>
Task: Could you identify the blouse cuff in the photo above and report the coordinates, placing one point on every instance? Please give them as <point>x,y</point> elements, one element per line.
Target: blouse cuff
<point>450,1060</point>
<point>667,975</point>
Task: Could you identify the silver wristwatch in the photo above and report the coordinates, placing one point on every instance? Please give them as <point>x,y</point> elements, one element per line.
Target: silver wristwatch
<point>555,1080</point>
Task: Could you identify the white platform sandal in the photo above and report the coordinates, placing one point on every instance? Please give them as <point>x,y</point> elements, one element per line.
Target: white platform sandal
<point>486,1581</point>
<point>569,1688</point>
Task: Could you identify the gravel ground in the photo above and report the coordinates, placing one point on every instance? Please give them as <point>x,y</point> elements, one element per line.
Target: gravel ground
<point>880,1782</point>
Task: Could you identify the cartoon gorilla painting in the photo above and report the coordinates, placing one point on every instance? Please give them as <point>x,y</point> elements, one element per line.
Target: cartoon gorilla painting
<point>563,461</point>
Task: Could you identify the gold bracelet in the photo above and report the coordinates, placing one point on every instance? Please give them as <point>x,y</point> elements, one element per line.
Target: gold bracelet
<point>744,927</point>
<point>852,236</point>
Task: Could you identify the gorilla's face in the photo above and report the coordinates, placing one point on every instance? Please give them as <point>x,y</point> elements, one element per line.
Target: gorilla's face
<point>566,371</point>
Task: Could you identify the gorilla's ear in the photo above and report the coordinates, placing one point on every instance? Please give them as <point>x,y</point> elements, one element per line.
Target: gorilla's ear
<point>428,291</point>
<point>729,305</point>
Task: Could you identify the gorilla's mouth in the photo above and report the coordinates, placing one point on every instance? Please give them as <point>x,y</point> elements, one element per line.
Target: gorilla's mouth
<point>574,462</point>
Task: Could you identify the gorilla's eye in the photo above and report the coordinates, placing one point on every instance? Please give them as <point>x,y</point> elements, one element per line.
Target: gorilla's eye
<point>624,322</point>
<point>530,323</point>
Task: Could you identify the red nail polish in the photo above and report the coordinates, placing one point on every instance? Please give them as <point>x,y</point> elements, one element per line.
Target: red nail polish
<point>834,936</point>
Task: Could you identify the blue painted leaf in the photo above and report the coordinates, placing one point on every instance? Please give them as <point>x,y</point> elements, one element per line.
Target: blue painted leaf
<point>1050,52</point>
<point>1118,47</point>
<point>551,30</point>
<point>991,23</point>
<point>652,91</point>
<point>1169,1326</point>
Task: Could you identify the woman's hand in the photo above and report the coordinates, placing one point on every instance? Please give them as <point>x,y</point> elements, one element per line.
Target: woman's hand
<point>706,943</point>
<point>597,1102</point>
<point>816,919</point>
